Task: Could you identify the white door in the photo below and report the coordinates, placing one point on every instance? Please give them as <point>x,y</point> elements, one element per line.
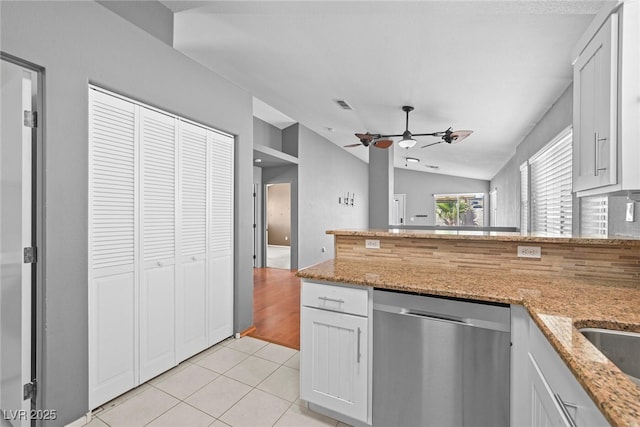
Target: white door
<point>113,298</point>
<point>16,277</point>
<point>158,236</point>
<point>220,283</point>
<point>334,361</point>
<point>191,296</point>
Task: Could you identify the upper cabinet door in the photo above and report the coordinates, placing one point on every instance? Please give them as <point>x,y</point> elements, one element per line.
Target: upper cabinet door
<point>595,115</point>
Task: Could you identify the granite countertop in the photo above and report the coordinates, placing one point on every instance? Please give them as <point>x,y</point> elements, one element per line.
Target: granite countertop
<point>558,306</point>
<point>505,236</point>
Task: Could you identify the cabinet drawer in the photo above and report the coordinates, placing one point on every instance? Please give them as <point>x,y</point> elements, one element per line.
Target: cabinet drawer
<point>335,298</point>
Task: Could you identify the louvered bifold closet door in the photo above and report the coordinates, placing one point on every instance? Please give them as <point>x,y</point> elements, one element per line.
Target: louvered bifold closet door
<point>158,236</point>
<point>221,238</point>
<point>112,243</point>
<point>192,266</point>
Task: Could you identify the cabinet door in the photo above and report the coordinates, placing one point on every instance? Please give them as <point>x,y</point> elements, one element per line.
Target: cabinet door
<point>158,234</point>
<point>220,284</point>
<point>192,285</point>
<point>112,242</point>
<point>333,365</point>
<point>595,111</point>
<point>545,409</point>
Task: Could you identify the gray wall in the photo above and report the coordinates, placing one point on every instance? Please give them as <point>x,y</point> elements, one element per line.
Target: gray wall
<point>325,173</point>
<point>421,186</point>
<point>507,181</point>
<point>152,16</point>
<point>381,186</point>
<point>266,134</point>
<point>618,226</point>
<point>78,43</point>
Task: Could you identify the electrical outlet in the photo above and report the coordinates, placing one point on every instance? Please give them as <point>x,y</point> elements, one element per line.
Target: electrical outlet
<point>529,252</point>
<point>630,206</point>
<point>372,244</point>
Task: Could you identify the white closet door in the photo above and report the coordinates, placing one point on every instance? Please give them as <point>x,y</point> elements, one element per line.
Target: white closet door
<point>221,238</point>
<point>192,267</point>
<point>112,242</point>
<point>158,236</point>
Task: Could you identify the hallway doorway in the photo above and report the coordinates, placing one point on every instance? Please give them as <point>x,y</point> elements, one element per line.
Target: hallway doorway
<point>278,230</point>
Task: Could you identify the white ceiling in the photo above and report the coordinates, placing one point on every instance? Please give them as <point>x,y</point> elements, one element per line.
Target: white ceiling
<point>494,67</point>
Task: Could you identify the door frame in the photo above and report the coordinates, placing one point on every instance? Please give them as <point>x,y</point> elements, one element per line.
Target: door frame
<point>38,230</point>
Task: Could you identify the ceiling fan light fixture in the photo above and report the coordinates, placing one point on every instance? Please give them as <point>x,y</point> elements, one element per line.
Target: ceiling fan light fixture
<point>407,140</point>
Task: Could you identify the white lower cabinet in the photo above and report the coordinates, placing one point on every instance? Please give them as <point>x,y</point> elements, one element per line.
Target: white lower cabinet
<point>544,392</point>
<point>335,349</point>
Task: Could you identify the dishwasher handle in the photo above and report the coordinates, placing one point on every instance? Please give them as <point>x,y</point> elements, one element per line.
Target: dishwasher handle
<point>432,316</point>
<point>420,314</point>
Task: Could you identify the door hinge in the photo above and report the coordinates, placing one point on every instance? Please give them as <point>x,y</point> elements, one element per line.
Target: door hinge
<point>254,225</point>
<point>254,194</point>
<point>30,119</point>
<point>254,257</point>
<point>30,389</point>
<point>30,255</point>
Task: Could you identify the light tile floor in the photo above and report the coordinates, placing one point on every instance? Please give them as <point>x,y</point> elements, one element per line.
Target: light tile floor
<point>243,382</point>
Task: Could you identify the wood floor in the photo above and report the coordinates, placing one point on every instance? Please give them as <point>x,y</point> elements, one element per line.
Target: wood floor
<point>276,306</point>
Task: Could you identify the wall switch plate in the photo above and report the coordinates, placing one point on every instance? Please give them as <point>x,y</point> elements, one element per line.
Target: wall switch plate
<point>529,252</point>
<point>372,244</point>
<point>630,209</point>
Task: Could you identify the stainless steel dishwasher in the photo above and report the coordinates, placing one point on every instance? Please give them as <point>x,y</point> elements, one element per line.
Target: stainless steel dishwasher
<point>439,362</point>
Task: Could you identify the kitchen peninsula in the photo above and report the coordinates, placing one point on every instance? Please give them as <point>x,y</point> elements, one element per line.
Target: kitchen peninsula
<point>573,283</point>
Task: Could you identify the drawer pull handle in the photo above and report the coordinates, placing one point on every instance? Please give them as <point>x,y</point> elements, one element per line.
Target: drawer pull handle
<point>597,167</point>
<point>358,354</point>
<point>338,300</point>
<point>563,406</point>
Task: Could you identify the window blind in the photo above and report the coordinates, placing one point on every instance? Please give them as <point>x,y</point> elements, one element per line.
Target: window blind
<point>551,199</point>
<point>594,216</point>
<point>524,197</point>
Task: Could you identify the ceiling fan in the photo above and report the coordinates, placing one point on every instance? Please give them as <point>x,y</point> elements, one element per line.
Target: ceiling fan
<point>382,141</point>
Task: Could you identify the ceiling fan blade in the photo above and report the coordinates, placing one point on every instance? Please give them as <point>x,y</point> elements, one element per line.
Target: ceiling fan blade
<point>383,143</point>
<point>459,135</point>
<point>364,137</point>
<point>352,145</point>
<point>433,143</point>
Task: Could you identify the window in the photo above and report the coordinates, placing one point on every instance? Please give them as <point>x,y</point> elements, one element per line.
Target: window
<point>594,216</point>
<point>524,199</point>
<point>547,205</point>
<point>459,209</point>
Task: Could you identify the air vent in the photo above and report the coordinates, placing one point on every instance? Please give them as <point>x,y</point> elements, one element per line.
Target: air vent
<point>344,104</point>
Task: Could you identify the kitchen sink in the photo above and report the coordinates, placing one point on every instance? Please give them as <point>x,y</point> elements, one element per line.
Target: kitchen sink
<point>621,348</point>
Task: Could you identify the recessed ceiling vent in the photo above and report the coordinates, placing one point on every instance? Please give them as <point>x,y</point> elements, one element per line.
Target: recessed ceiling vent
<point>344,104</point>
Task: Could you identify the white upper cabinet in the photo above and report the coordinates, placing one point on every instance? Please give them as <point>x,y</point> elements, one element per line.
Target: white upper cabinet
<point>606,116</point>
<point>595,110</point>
